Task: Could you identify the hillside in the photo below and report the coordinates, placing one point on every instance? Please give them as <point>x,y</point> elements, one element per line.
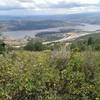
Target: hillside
<point>52,74</point>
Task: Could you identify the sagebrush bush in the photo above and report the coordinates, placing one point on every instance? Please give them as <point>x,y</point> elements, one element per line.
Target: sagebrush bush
<point>42,76</point>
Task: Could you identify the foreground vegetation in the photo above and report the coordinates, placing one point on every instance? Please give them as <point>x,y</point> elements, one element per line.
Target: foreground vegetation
<point>47,76</point>
<point>53,74</point>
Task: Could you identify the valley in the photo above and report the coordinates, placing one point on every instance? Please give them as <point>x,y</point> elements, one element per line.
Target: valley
<point>49,57</point>
<point>48,29</point>
<point>49,35</point>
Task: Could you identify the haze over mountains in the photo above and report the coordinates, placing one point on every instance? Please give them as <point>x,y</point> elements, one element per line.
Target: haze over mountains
<point>49,26</point>
<point>14,23</point>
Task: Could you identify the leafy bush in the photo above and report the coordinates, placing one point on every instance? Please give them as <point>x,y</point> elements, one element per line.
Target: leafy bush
<point>34,46</point>
<point>97,47</point>
<point>42,76</point>
<point>90,41</point>
<point>2,47</point>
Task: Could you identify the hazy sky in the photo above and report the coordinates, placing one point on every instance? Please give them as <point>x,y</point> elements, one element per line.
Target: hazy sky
<point>33,7</point>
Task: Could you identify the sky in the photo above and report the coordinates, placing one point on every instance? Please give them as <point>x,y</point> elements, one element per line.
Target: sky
<point>47,7</point>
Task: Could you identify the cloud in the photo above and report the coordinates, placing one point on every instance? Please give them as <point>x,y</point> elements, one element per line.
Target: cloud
<point>64,4</point>
<point>47,6</point>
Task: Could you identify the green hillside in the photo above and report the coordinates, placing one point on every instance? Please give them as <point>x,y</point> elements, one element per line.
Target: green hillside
<point>65,74</point>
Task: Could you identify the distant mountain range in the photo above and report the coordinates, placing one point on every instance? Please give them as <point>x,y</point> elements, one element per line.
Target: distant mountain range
<point>79,17</point>
<point>91,18</point>
<point>13,23</point>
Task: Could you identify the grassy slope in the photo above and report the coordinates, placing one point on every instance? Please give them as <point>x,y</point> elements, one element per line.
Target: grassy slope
<point>94,36</point>
<point>22,68</point>
<point>95,55</point>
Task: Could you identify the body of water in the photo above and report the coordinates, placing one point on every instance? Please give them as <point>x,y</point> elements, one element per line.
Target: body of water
<point>32,33</point>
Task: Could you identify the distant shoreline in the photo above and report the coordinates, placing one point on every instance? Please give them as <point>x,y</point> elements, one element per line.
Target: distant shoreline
<point>72,36</point>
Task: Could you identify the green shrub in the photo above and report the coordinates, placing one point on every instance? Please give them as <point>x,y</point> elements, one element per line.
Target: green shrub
<point>97,47</point>
<point>34,46</point>
<point>42,75</point>
<point>2,47</point>
<point>90,41</point>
